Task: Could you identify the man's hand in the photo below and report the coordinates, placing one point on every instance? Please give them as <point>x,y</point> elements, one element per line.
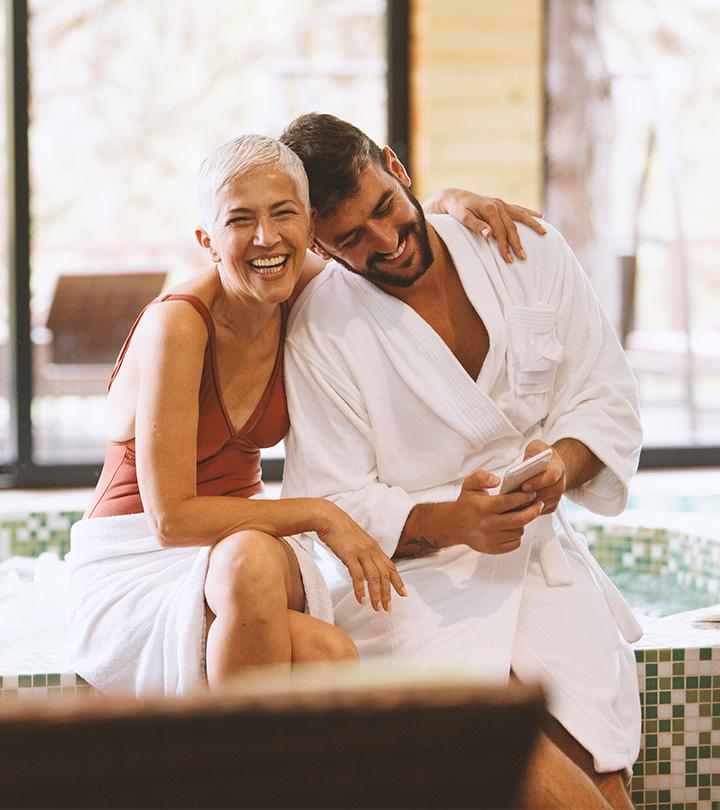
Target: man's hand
<point>550,485</point>
<point>493,524</point>
<point>486,216</point>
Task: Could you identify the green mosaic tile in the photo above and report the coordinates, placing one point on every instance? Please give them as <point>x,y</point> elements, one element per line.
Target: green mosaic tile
<point>651,683</point>
<point>678,725</point>
<point>691,780</point>
<point>664,754</point>
<point>706,654</point>
<point>705,738</point>
<point>651,726</point>
<point>690,766</point>
<point>678,683</point>
<point>39,680</point>
<point>664,725</point>
<point>715,750</point>
<point>704,794</point>
<point>651,669</point>
<point>651,712</point>
<point>24,681</point>
<point>54,679</point>
<point>705,710</point>
<point>705,695</point>
<point>691,752</point>
<point>663,767</point>
<point>704,780</point>
<point>692,682</point>
<point>665,683</point>
<point>651,754</point>
<point>651,769</point>
<point>651,698</point>
<point>663,795</point>
<point>678,711</point>
<point>705,682</point>
<point>651,740</point>
<point>678,739</point>
<point>691,696</point>
<point>665,697</point>
<point>678,668</point>
<point>664,655</point>
<point>678,655</point>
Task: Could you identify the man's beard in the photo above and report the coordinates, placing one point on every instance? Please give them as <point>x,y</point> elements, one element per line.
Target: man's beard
<point>390,278</point>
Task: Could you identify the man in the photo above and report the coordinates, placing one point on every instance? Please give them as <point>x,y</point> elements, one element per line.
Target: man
<point>418,368</point>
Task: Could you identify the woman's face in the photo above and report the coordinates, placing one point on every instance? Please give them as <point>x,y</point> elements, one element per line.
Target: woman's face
<point>260,235</point>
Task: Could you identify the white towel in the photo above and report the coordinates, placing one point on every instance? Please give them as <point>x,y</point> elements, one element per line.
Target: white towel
<point>137,612</point>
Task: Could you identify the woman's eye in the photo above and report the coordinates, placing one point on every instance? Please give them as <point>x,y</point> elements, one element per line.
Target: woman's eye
<point>239,221</point>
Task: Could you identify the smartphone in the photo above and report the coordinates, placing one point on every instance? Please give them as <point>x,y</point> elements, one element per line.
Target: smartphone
<point>517,475</point>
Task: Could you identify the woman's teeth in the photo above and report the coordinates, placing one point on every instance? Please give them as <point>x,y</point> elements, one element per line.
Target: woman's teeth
<point>273,264</point>
<point>389,257</point>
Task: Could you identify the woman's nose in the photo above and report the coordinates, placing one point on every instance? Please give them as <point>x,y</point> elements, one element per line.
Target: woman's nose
<point>266,233</point>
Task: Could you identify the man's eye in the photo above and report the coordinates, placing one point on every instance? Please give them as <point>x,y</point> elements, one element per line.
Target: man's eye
<point>288,212</point>
<point>350,242</point>
<point>239,221</point>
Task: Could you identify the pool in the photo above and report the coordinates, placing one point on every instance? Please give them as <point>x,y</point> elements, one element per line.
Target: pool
<point>668,564</point>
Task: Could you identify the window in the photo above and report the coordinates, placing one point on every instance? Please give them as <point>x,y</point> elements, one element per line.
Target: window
<point>146,90</point>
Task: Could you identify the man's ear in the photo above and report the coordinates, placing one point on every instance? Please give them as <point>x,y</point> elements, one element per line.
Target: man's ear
<point>205,242</point>
<point>395,167</point>
<point>320,251</point>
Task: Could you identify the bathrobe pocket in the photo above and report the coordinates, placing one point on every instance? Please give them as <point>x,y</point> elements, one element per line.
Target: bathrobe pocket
<point>534,355</point>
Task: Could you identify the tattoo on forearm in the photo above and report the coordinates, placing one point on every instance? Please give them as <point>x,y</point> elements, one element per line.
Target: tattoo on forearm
<point>417,546</point>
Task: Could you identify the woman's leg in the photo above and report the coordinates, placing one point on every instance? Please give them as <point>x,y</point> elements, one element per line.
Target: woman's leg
<point>254,602</point>
<point>315,640</point>
<point>247,589</point>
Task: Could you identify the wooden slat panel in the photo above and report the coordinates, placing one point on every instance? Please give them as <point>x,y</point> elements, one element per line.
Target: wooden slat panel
<point>477,97</point>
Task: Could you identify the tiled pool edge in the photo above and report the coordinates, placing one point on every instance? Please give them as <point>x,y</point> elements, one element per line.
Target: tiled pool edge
<point>37,686</point>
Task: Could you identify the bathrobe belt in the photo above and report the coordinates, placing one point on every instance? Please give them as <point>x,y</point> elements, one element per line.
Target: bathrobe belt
<point>556,570</point>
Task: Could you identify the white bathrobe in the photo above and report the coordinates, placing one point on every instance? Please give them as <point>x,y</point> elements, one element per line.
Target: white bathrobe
<point>384,417</point>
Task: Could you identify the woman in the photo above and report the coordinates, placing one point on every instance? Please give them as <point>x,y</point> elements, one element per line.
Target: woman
<point>173,582</point>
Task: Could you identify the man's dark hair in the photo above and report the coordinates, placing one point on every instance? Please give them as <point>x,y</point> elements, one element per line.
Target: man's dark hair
<point>334,153</point>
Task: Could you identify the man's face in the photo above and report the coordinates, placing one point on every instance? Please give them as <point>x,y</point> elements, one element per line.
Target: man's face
<point>380,233</point>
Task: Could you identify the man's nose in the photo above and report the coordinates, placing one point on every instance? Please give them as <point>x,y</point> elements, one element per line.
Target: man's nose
<point>266,233</point>
<point>384,237</point>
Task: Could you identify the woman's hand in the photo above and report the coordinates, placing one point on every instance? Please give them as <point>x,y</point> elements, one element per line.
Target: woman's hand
<point>486,216</point>
<point>362,556</point>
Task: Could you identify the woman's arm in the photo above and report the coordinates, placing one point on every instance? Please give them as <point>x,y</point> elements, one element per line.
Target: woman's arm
<point>487,216</point>
<point>173,338</point>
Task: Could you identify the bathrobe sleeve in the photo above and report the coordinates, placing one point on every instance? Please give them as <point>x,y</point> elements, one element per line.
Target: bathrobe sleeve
<point>594,397</point>
<point>329,449</point>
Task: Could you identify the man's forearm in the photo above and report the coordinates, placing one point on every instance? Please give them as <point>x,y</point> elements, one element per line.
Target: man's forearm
<point>425,530</point>
<point>581,464</point>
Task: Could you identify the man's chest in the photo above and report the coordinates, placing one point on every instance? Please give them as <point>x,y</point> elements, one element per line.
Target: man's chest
<point>461,329</point>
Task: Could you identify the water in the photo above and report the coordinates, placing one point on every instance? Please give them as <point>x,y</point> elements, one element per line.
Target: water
<point>33,631</point>
<point>653,596</point>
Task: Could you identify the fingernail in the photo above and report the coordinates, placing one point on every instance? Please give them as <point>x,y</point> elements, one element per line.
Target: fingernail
<point>389,607</point>
<point>493,480</point>
<point>526,488</point>
<point>485,232</point>
<point>522,254</point>
<point>541,506</point>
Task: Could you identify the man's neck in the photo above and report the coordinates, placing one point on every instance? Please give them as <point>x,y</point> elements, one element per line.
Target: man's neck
<point>431,284</point>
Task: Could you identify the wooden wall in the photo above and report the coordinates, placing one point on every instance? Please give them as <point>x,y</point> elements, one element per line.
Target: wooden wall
<point>476,80</point>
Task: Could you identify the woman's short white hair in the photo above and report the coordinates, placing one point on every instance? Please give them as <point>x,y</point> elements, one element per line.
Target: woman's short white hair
<point>239,157</point>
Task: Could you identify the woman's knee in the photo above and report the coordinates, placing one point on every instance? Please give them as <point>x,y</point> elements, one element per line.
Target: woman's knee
<point>336,645</point>
<point>244,566</point>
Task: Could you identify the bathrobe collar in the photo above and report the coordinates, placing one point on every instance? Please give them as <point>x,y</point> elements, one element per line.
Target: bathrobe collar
<point>424,360</point>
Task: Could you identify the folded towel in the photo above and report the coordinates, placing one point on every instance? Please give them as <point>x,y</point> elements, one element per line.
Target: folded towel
<point>137,612</point>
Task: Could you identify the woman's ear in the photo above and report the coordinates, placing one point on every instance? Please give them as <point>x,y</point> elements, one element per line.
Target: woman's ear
<point>205,242</point>
<point>395,167</point>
